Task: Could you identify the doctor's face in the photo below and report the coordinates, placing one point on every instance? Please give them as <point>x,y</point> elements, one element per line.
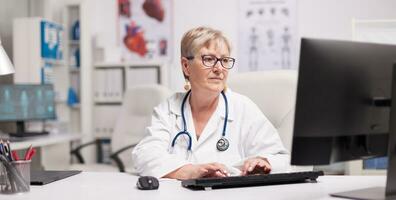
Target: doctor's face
<point>202,74</point>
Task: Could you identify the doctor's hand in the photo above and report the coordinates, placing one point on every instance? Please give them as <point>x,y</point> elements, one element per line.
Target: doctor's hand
<point>191,171</point>
<point>256,165</point>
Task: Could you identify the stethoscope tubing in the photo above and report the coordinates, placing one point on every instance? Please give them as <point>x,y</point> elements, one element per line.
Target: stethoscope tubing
<point>185,132</point>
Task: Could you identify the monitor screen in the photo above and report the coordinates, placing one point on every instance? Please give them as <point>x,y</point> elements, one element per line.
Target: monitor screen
<point>343,106</point>
<point>336,118</point>
<point>27,102</point>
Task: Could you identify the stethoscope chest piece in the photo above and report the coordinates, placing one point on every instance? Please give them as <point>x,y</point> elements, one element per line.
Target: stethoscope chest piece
<point>222,144</point>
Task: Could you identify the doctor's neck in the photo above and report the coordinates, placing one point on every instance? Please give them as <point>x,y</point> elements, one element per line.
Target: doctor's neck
<point>200,101</point>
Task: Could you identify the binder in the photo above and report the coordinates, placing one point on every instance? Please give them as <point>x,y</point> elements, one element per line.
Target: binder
<point>105,117</point>
<point>109,86</point>
<point>142,75</point>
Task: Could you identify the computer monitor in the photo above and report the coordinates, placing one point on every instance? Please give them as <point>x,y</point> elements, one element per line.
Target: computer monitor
<point>26,102</point>
<point>343,105</point>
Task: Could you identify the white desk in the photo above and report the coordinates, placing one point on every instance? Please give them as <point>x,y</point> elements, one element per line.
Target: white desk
<point>53,149</point>
<point>120,186</point>
<point>45,140</point>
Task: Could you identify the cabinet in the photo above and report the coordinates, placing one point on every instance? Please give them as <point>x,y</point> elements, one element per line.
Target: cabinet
<point>39,58</point>
<point>71,22</point>
<point>111,81</point>
<point>45,52</point>
<point>37,50</point>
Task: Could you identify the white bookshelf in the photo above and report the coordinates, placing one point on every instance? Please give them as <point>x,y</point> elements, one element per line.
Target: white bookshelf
<point>38,46</point>
<point>112,78</point>
<point>28,44</point>
<point>72,43</point>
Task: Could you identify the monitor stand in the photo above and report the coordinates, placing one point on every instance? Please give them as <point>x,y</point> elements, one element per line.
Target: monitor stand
<point>21,132</point>
<point>388,192</point>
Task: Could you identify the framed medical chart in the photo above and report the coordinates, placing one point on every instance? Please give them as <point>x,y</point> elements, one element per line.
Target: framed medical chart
<point>51,40</point>
<point>268,35</point>
<point>145,29</point>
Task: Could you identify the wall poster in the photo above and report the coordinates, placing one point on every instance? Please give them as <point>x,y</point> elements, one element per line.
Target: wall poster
<point>268,35</point>
<point>145,29</point>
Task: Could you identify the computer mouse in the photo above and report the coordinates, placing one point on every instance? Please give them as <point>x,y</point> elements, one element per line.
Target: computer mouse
<point>147,183</point>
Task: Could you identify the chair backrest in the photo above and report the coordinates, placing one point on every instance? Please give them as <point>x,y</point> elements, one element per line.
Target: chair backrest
<point>135,116</point>
<point>274,92</point>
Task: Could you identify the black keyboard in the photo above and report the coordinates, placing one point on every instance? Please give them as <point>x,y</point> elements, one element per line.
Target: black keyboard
<point>252,180</point>
<point>49,176</point>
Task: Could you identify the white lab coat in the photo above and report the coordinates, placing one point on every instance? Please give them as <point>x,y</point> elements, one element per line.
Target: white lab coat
<point>248,131</point>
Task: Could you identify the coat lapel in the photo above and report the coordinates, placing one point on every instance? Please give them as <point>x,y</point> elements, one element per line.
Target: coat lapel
<point>214,127</point>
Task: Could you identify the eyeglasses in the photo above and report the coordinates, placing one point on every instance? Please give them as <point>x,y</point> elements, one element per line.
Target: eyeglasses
<point>211,60</point>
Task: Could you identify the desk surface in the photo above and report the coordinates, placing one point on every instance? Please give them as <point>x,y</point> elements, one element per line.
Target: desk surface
<point>120,186</point>
<point>39,141</point>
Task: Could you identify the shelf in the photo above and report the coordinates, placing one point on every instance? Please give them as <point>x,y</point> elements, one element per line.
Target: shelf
<point>59,101</point>
<point>127,64</point>
<point>74,42</point>
<point>55,62</point>
<point>75,106</point>
<point>115,103</point>
<point>73,79</point>
<point>102,137</point>
<point>115,77</point>
<point>109,65</point>
<point>74,70</point>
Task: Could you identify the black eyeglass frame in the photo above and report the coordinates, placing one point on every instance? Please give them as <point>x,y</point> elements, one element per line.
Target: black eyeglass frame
<point>217,60</point>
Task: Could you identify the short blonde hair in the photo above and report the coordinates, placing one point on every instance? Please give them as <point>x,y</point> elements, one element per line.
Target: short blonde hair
<point>196,38</point>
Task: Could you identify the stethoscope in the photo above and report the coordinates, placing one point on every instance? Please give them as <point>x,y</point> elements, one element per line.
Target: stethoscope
<point>221,145</point>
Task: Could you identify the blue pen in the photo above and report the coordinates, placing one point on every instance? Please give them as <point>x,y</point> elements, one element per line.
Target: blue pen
<point>2,147</point>
<point>6,154</point>
<point>9,150</point>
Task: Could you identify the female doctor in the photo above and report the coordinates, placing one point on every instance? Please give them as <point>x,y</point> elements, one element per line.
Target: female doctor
<point>208,131</point>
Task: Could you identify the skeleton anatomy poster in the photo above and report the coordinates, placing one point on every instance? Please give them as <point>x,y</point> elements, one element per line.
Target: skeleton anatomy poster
<point>268,35</point>
<point>145,29</point>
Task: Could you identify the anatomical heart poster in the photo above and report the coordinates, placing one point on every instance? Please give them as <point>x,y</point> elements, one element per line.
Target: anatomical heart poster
<point>145,29</point>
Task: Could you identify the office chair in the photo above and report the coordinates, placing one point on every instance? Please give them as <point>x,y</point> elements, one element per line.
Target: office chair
<point>274,92</point>
<point>135,116</point>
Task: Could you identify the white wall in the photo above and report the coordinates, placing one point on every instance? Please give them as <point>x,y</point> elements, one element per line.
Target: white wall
<point>332,18</point>
<point>219,14</point>
<point>316,18</point>
<point>52,9</point>
<point>49,9</point>
<point>8,11</point>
